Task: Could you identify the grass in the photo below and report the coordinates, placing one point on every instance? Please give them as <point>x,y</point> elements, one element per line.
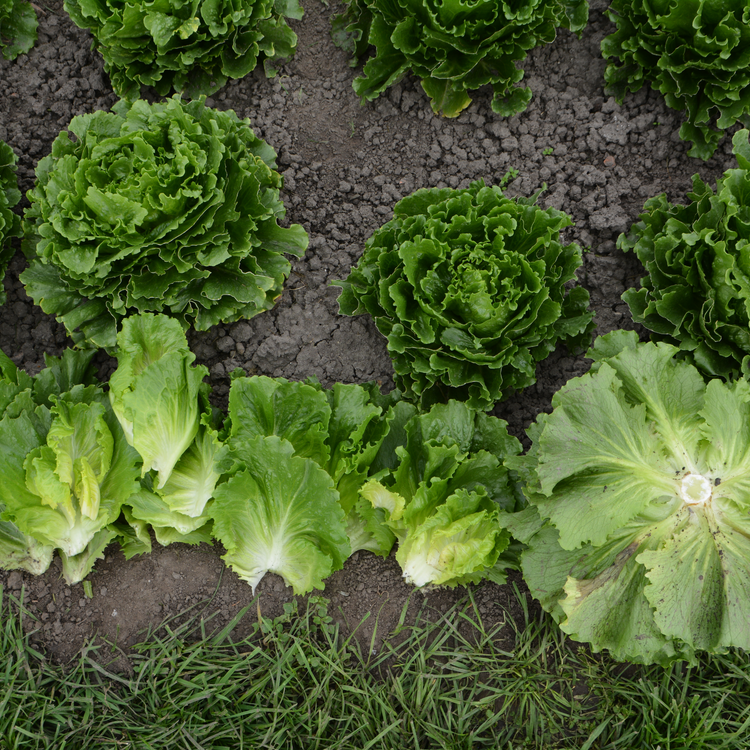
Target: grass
<point>299,683</point>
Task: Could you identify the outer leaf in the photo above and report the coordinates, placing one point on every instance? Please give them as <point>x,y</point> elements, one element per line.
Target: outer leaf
<point>280,514</point>
<point>21,552</point>
<point>18,30</point>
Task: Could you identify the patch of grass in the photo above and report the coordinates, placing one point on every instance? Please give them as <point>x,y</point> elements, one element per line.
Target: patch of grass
<point>297,682</point>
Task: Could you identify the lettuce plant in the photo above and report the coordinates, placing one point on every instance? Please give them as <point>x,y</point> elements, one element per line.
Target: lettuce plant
<point>66,466</point>
<point>161,402</point>
<point>454,46</point>
<point>10,223</point>
<point>191,48</point>
<point>166,207</point>
<point>18,551</point>
<point>18,25</point>
<point>443,496</point>
<point>638,525</point>
<point>696,292</point>
<point>347,430</point>
<point>696,52</point>
<point>469,288</point>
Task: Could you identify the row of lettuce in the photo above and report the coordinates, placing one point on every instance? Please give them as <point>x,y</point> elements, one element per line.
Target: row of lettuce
<point>629,516</point>
<point>174,208</point>
<point>294,479</point>
<point>697,53</point>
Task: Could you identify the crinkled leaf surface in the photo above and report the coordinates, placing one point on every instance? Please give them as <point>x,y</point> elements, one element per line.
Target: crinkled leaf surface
<point>696,291</point>
<point>454,46</point>
<point>186,47</point>
<point>469,288</point>
<point>170,207</point>
<point>696,52</point>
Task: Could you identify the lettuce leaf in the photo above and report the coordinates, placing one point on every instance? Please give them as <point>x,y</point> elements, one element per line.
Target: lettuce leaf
<point>280,513</point>
<point>443,498</point>
<point>454,46</point>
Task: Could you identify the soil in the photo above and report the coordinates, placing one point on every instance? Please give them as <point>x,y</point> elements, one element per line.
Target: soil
<point>344,166</point>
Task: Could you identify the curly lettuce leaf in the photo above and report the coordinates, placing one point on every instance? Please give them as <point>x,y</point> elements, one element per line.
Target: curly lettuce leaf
<point>696,53</point>
<point>170,207</point>
<point>453,46</point>
<point>696,292</point>
<point>191,48</point>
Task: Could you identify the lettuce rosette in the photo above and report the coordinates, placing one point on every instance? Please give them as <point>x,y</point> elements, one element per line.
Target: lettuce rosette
<point>453,46</point>
<point>170,207</point>
<point>696,291</point>
<point>695,52</point>
<point>638,523</point>
<point>471,290</point>
<point>442,489</point>
<point>66,467</point>
<point>191,48</point>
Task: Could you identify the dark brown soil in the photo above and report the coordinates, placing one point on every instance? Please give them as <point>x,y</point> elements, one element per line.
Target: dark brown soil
<point>345,165</point>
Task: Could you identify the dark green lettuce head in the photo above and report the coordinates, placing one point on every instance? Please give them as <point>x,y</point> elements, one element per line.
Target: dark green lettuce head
<point>696,52</point>
<point>454,46</point>
<point>10,223</point>
<point>189,47</point>
<point>696,292</point>
<point>18,26</point>
<point>168,208</point>
<point>469,288</point>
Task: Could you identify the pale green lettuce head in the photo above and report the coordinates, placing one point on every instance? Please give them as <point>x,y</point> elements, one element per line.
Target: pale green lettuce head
<point>346,430</point>
<point>638,526</point>
<point>157,393</point>
<point>443,496</point>
<point>66,466</point>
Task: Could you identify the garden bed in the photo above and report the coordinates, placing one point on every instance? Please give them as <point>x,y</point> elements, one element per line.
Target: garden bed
<point>345,165</point>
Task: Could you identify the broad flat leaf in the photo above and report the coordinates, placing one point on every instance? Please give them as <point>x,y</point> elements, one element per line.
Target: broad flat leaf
<point>280,514</point>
